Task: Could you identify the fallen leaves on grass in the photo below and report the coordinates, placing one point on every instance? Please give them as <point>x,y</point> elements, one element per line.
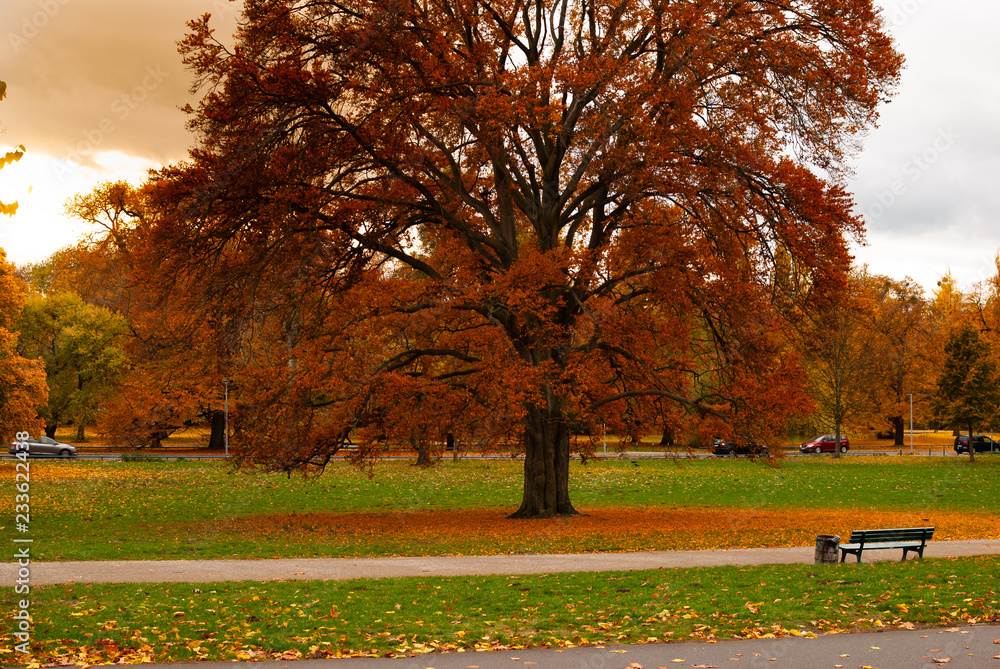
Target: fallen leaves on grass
<point>64,471</point>
<point>155,510</point>
<point>489,531</point>
<point>411,617</point>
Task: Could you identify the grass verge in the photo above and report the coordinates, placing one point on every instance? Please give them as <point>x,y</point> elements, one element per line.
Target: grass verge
<point>103,624</point>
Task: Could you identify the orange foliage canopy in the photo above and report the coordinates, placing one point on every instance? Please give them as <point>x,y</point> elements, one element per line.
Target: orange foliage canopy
<point>423,218</point>
<point>172,377</point>
<point>22,382</point>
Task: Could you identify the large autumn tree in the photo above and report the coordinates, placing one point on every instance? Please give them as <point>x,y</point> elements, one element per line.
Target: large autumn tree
<point>968,390</point>
<point>22,380</point>
<point>841,355</point>
<point>547,212</point>
<point>82,346</point>
<point>901,333</point>
<point>169,381</point>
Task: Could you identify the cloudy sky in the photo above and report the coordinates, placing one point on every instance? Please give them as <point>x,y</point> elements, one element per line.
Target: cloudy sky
<point>93,91</point>
<point>94,88</point>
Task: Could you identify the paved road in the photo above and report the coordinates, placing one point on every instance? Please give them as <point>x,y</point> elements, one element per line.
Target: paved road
<point>935,451</point>
<point>207,571</point>
<point>963,648</point>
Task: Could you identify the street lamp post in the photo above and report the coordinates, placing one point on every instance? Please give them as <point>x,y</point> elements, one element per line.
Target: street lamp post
<point>911,423</point>
<point>225,382</point>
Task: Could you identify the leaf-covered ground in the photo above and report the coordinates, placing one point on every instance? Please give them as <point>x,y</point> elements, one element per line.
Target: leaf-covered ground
<point>148,510</point>
<point>97,624</point>
<point>489,532</point>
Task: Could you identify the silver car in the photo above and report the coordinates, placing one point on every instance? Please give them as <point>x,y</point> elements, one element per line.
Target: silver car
<point>46,447</point>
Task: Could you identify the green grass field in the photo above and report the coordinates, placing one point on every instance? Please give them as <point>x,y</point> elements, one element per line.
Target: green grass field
<point>157,510</point>
<point>151,509</point>
<point>92,624</point>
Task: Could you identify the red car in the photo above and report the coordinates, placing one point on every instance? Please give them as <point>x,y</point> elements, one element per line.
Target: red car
<point>825,444</point>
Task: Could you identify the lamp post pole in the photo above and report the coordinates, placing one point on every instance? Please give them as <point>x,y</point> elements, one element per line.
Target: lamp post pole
<point>225,382</point>
<point>911,423</point>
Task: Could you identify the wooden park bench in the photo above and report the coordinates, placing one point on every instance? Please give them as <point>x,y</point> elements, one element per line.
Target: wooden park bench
<point>907,538</point>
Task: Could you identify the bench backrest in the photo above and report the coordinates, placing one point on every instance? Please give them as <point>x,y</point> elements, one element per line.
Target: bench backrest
<point>897,534</point>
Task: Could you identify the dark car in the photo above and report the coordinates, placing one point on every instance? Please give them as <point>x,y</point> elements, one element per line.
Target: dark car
<point>738,447</point>
<point>980,442</point>
<point>44,447</point>
<point>825,444</point>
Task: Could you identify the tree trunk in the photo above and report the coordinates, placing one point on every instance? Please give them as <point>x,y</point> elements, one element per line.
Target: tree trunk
<point>546,465</point>
<point>81,433</point>
<point>972,446</point>
<point>838,417</point>
<point>218,438</point>
<point>424,456</point>
<point>419,443</point>
<point>50,431</point>
<point>897,428</point>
